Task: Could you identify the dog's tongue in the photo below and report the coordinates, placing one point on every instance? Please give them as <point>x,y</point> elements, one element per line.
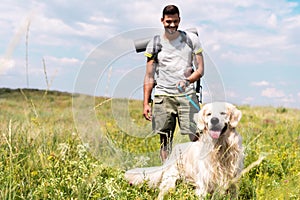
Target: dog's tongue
<point>215,134</point>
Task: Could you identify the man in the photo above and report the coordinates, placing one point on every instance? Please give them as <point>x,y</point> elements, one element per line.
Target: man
<point>174,90</point>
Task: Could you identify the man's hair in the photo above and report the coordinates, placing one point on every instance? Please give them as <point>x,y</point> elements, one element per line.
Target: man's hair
<point>170,10</point>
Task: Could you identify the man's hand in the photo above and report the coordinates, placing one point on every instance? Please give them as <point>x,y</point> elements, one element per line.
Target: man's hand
<point>147,112</point>
<point>182,85</point>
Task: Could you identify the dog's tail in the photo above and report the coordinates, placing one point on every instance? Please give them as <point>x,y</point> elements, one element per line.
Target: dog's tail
<point>151,175</point>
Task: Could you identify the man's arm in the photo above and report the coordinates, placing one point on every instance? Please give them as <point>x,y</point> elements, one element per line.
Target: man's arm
<point>199,72</point>
<point>148,86</point>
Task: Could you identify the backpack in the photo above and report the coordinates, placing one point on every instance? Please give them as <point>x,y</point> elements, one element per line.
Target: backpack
<point>185,38</point>
<point>141,44</point>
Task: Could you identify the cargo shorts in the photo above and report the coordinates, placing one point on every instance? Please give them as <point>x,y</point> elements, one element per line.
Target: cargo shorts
<point>168,109</point>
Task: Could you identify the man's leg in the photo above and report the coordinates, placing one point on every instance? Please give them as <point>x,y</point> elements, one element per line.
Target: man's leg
<point>166,141</point>
<point>188,115</point>
<point>164,123</point>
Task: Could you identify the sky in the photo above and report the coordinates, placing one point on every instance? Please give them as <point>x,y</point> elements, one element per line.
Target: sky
<point>251,47</point>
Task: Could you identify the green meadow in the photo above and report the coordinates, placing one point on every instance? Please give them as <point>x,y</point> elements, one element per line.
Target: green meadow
<point>51,150</point>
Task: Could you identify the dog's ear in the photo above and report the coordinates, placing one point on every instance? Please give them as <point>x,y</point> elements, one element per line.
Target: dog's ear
<point>235,116</point>
<point>201,122</point>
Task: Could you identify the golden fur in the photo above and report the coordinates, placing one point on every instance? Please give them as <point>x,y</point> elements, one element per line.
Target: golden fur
<point>209,163</point>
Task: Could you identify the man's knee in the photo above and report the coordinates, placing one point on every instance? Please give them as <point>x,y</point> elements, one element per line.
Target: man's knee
<point>194,137</point>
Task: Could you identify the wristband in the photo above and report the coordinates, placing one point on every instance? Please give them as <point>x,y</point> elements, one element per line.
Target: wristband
<point>187,82</point>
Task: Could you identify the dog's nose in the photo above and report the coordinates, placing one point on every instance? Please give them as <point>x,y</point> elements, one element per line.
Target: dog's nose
<point>214,120</point>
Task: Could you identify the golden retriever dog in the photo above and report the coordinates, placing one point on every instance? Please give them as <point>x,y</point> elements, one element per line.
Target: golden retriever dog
<point>210,163</point>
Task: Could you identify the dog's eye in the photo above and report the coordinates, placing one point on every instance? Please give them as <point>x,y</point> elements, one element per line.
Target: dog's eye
<point>208,114</point>
<point>223,113</point>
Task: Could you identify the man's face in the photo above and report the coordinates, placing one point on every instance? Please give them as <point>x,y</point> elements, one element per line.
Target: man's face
<point>171,23</point>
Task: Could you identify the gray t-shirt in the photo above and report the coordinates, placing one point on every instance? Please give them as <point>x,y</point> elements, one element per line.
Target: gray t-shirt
<point>175,61</point>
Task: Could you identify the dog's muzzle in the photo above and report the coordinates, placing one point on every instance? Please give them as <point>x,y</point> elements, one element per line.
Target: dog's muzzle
<point>216,129</point>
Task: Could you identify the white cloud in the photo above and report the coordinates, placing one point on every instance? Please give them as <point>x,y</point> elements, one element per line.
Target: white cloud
<point>272,21</point>
<point>51,31</point>
<point>141,14</point>
<point>231,94</point>
<point>258,34</point>
<point>288,99</point>
<point>283,83</point>
<point>63,62</point>
<point>101,18</point>
<point>261,33</point>
<point>248,100</point>
<point>272,93</point>
<point>50,26</point>
<point>291,22</point>
<point>238,57</point>
<point>5,65</point>
<point>216,47</point>
<point>260,83</point>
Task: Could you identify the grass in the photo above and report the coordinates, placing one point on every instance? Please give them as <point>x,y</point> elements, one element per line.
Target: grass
<point>44,155</point>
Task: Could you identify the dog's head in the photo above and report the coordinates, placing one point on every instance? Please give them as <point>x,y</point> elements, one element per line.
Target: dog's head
<point>215,118</point>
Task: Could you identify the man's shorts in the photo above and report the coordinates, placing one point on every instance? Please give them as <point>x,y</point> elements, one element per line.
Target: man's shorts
<point>167,108</point>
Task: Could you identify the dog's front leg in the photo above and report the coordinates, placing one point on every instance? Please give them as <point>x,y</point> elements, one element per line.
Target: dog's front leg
<point>168,181</point>
<point>201,192</point>
<point>201,188</point>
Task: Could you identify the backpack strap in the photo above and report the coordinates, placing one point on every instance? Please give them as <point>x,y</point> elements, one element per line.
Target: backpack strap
<point>156,47</point>
<point>186,39</point>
